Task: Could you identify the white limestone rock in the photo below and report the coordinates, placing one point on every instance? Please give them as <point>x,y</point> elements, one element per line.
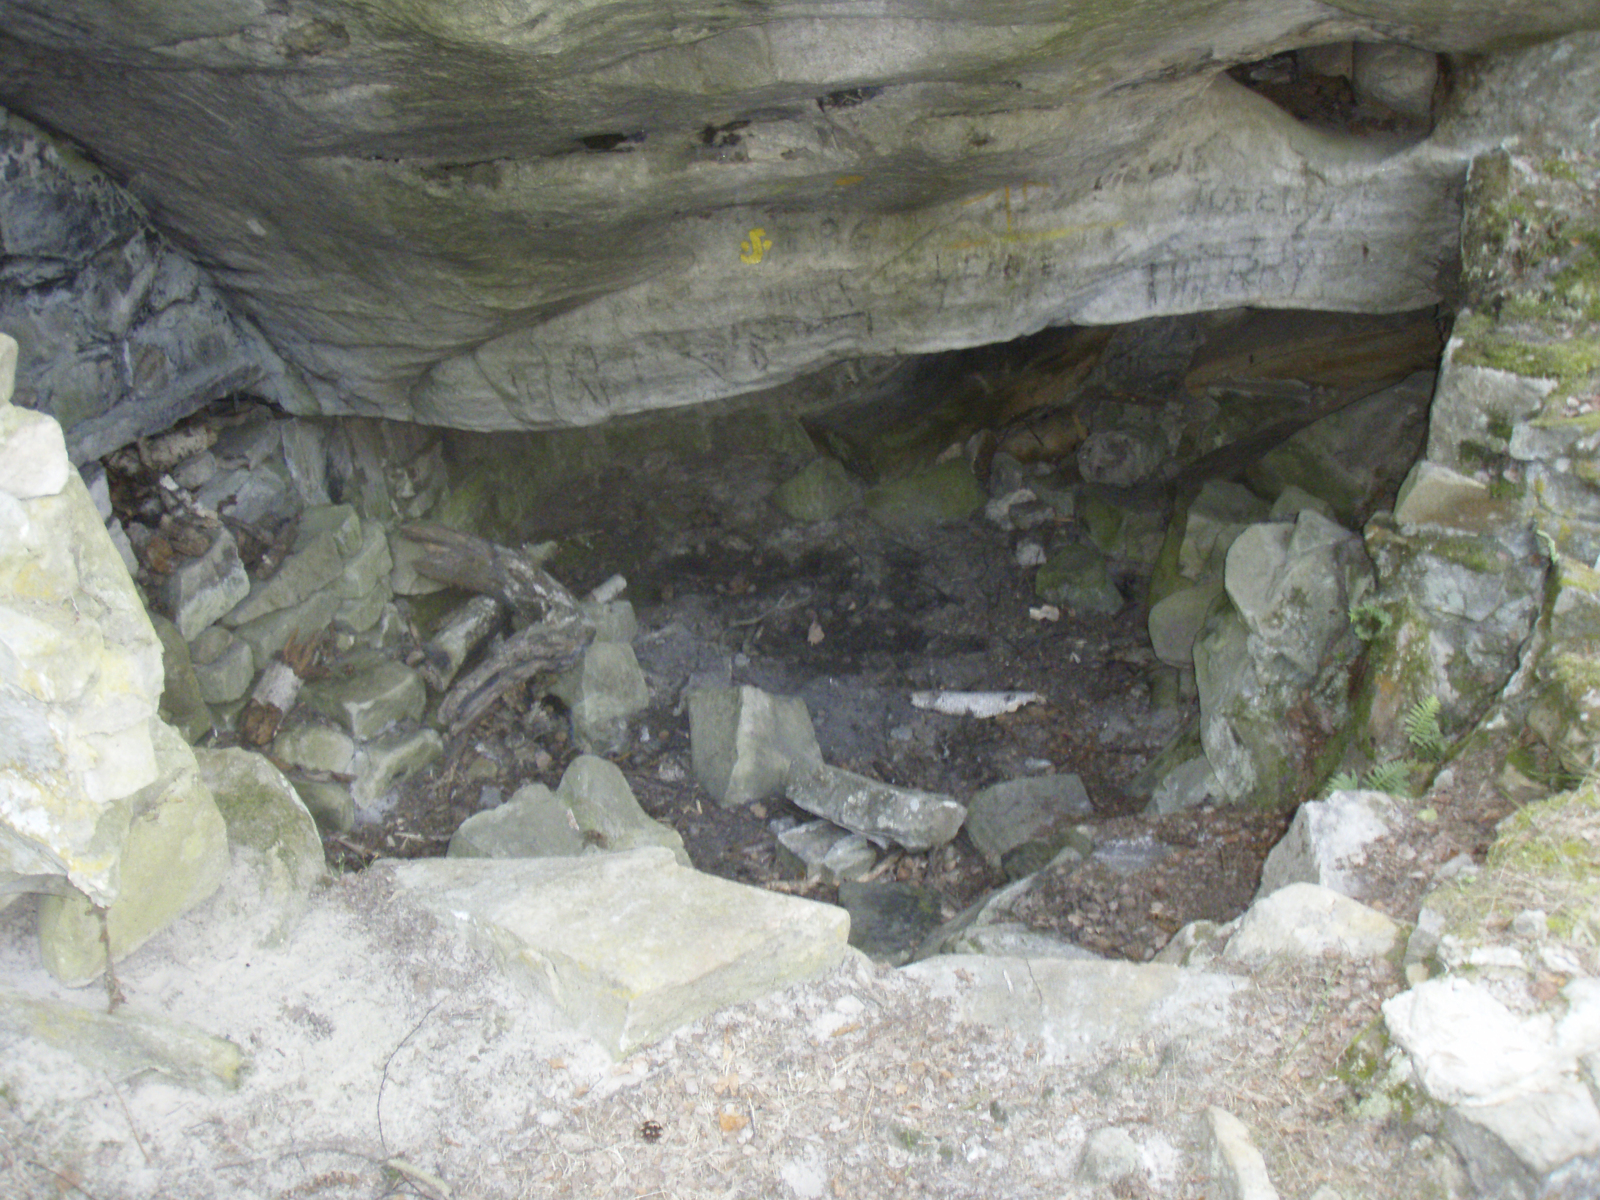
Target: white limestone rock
<point>173,857</point>
<point>1304,921</point>
<point>629,946</point>
<point>80,680</point>
<point>1327,842</point>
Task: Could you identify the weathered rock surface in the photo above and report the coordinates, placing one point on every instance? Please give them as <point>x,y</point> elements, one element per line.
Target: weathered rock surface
<point>1305,921</point>
<point>746,743</point>
<point>1237,1167</point>
<point>630,946</point>
<point>173,857</point>
<point>667,207</point>
<point>911,818</point>
<point>121,334</point>
<point>1282,647</point>
<point>125,1043</point>
<point>80,673</point>
<point>1513,1084</point>
<point>1327,844</point>
<point>1078,1008</point>
<point>275,851</point>
<point>1042,808</point>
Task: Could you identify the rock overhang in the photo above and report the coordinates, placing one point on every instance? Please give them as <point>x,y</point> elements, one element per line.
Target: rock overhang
<point>454,215</point>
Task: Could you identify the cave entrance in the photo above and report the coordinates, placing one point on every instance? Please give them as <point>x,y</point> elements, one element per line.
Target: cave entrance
<point>952,560</point>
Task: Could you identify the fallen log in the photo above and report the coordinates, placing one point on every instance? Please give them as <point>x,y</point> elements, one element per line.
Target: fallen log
<point>538,653</point>
<point>516,578</point>
<point>551,631</point>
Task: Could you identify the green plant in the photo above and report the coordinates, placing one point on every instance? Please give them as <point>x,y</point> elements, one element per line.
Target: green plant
<point>1393,777</point>
<point>1422,727</point>
<point>1369,620</point>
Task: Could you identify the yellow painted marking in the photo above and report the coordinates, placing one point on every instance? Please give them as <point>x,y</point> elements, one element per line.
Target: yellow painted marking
<point>1042,235</point>
<point>755,246</point>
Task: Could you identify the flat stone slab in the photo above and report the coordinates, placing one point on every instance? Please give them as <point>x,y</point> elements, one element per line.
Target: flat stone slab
<point>1078,1008</point>
<point>914,819</point>
<point>630,946</point>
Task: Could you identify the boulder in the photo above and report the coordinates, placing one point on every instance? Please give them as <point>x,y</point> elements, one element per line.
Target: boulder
<point>820,850</point>
<point>939,495</point>
<point>80,667</point>
<point>821,491</point>
<point>276,852</point>
<point>1282,646</point>
<point>606,813</point>
<point>1078,577</point>
<point>1305,921</point>
<point>223,665</point>
<point>388,758</point>
<point>173,857</point>
<point>629,946</point>
<point>325,539</point>
<point>202,590</point>
<point>1518,1109</point>
<point>1005,815</point>
<point>367,695</point>
<point>603,692</point>
<point>1327,843</point>
<point>532,824</point>
<point>125,1043</point>
<point>910,818</point>
<point>745,743</point>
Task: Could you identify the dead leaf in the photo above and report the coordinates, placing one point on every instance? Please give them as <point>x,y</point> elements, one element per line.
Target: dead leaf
<point>732,1122</point>
<point>844,1029</point>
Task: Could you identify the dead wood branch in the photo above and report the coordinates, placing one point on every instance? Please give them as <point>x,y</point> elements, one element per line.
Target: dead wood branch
<point>539,651</point>
<point>513,577</point>
<point>551,634</point>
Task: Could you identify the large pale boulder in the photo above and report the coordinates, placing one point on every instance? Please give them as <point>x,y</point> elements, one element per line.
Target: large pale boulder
<point>80,668</point>
<point>173,857</point>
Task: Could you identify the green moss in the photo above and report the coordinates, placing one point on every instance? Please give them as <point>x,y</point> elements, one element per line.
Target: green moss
<point>1567,362</point>
<point>1499,425</point>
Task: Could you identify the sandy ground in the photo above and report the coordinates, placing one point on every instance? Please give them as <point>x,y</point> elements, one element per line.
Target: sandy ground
<point>386,1056</point>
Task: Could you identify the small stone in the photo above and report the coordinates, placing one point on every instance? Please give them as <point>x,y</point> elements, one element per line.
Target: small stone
<point>204,589</point>
<point>745,743</point>
<point>532,824</point>
<point>1109,1155</point>
<point>820,492</point>
<point>223,665</point>
<point>379,693</point>
<point>386,760</point>
<point>914,819</point>
<point>1236,1165</point>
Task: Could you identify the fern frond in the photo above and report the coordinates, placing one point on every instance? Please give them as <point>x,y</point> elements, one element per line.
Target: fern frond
<point>1344,781</point>
<point>1393,777</point>
<point>1422,726</point>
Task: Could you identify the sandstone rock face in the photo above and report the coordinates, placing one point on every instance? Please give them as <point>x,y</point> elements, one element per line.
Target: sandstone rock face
<point>452,214</point>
